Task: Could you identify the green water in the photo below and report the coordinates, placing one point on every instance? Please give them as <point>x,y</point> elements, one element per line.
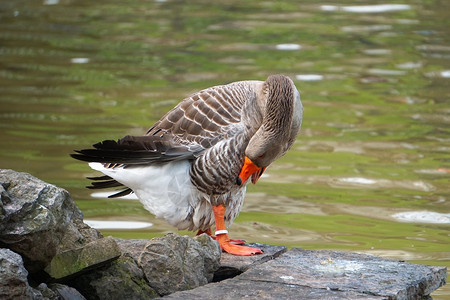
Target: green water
<point>375,139</point>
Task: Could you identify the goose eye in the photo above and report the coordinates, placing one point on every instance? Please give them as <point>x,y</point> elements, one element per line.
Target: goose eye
<point>262,155</point>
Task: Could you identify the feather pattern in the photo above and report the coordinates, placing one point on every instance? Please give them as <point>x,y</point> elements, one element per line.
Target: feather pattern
<point>189,160</point>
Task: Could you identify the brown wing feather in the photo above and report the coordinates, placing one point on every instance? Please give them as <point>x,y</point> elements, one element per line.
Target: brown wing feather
<point>206,116</point>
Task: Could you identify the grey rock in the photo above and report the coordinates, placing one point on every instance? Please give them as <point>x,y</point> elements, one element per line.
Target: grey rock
<point>123,279</point>
<point>232,265</point>
<point>232,289</point>
<point>73,262</point>
<point>36,219</point>
<point>347,271</point>
<point>57,291</point>
<point>13,278</point>
<point>173,262</point>
<point>323,274</point>
<point>78,233</point>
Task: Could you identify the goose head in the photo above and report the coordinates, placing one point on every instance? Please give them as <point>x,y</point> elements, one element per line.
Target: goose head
<point>280,125</point>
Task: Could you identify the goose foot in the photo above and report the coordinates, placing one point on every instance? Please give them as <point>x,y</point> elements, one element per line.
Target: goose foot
<point>227,246</point>
<point>225,243</point>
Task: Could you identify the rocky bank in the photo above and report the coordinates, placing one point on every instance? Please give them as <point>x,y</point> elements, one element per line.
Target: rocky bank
<point>47,252</point>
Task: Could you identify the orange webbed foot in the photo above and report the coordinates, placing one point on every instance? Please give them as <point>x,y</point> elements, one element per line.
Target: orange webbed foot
<point>227,245</point>
<point>239,250</point>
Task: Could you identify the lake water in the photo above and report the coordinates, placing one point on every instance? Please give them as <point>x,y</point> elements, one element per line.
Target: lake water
<point>370,170</point>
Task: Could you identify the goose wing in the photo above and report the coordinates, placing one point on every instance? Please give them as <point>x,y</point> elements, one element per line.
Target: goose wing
<point>195,124</point>
<point>207,116</point>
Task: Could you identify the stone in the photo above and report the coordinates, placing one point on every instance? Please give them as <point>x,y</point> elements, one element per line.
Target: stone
<point>324,274</point>
<point>123,279</point>
<point>232,265</point>
<point>347,271</point>
<point>71,263</point>
<point>78,233</point>
<point>57,291</point>
<point>38,219</point>
<point>13,278</point>
<point>232,289</point>
<point>173,262</point>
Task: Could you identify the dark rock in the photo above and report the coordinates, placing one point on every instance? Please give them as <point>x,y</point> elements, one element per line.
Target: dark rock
<point>56,291</point>
<point>78,233</point>
<point>307,274</point>
<point>73,262</point>
<point>123,279</point>
<point>232,265</point>
<point>13,278</point>
<point>36,219</point>
<point>173,262</point>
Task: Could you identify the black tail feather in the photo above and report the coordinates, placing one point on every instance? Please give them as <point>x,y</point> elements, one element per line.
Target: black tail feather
<point>137,150</point>
<point>103,182</point>
<point>105,177</point>
<point>122,193</point>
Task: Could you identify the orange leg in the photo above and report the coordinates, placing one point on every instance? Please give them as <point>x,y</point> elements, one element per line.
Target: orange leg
<point>209,232</point>
<point>224,240</point>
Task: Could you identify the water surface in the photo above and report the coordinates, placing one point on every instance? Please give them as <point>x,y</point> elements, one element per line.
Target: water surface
<point>369,172</point>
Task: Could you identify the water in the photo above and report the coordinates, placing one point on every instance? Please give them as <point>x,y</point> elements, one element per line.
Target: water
<point>370,171</point>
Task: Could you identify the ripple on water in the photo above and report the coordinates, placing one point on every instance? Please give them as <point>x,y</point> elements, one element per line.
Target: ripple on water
<point>79,60</point>
<point>422,217</point>
<point>378,8</point>
<point>288,47</point>
<point>309,77</point>
<point>417,185</point>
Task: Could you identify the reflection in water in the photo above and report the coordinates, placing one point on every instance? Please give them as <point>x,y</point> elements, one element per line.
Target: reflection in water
<point>79,60</point>
<point>309,77</point>
<point>373,78</point>
<point>380,8</point>
<point>288,47</point>
<point>423,217</point>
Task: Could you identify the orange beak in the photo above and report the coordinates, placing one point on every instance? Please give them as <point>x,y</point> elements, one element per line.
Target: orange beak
<point>249,169</point>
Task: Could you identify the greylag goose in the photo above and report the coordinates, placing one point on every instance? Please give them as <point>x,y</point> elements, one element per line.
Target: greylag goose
<point>192,167</point>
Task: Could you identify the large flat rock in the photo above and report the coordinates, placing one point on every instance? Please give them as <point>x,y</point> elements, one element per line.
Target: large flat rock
<point>324,274</point>
<point>232,265</point>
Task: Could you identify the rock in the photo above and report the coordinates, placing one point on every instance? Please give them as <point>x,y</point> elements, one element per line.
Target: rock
<point>56,291</point>
<point>13,278</point>
<point>36,219</point>
<point>123,279</point>
<point>78,233</point>
<point>323,274</point>
<point>173,262</point>
<point>232,289</point>
<point>73,262</point>
<point>232,265</point>
<point>347,271</point>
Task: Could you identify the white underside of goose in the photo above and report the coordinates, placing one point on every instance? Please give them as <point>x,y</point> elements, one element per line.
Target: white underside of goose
<point>165,190</point>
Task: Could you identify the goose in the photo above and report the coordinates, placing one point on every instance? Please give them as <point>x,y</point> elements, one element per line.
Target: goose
<point>192,166</point>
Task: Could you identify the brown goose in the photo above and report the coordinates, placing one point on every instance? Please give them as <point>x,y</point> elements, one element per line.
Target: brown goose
<point>192,167</point>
